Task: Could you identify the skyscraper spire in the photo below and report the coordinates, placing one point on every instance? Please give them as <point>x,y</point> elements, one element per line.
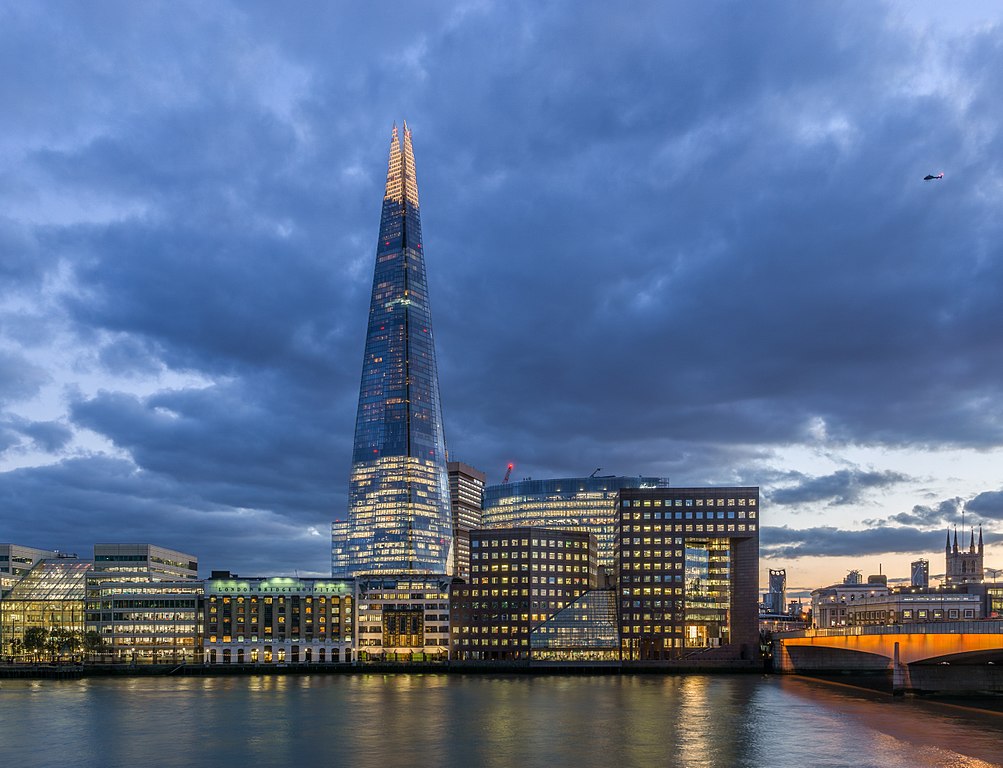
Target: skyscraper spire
<point>398,515</point>
<point>394,175</point>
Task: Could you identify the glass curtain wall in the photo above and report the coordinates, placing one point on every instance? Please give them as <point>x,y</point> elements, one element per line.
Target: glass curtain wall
<point>399,517</point>
<point>42,617</point>
<point>708,593</point>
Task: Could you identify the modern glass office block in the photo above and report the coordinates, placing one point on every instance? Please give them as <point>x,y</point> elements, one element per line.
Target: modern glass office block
<point>398,514</point>
<point>587,630</point>
<point>570,503</point>
<point>49,600</point>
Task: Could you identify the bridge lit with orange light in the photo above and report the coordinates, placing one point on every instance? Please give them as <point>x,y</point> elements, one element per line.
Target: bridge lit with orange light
<point>951,655</point>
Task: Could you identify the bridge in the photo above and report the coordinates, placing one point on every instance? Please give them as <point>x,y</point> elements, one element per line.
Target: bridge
<point>940,656</point>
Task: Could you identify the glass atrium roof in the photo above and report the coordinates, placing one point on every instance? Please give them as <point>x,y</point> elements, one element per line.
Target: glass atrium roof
<point>61,579</point>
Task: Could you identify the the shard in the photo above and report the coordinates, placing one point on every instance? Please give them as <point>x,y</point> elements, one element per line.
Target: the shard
<point>398,510</point>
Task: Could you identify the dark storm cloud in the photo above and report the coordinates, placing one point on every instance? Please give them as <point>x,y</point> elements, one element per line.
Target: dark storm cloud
<point>692,249</point>
<point>988,505</point>
<point>229,446</point>
<point>783,542</point>
<point>91,499</point>
<point>22,258</point>
<point>662,241</point>
<point>983,507</point>
<point>48,436</point>
<point>845,486</point>
<point>20,379</point>
<point>943,514</point>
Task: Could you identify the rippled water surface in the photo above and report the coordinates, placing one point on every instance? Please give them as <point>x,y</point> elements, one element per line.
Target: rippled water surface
<point>466,721</point>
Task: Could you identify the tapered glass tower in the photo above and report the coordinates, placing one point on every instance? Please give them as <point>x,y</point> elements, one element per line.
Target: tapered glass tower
<point>398,508</point>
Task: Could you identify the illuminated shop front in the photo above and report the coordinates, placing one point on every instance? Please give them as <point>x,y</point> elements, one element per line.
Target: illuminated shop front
<point>403,618</point>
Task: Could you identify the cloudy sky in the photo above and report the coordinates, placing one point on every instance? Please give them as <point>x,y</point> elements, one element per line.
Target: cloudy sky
<point>680,239</point>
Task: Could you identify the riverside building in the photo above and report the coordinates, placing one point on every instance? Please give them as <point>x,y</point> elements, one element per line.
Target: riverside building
<point>915,606</point>
<point>143,602</point>
<point>402,618</point>
<point>688,572</point>
<point>830,605</point>
<point>399,519</point>
<point>519,578</point>
<point>571,503</point>
<point>42,616</point>
<point>16,560</point>
<point>278,620</point>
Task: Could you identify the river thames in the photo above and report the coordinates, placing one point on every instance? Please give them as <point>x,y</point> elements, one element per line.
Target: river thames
<point>454,721</point>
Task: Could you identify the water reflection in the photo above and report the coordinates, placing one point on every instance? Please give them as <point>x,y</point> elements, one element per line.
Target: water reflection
<point>445,721</point>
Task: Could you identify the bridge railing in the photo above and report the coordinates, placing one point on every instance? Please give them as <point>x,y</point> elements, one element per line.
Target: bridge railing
<point>979,627</point>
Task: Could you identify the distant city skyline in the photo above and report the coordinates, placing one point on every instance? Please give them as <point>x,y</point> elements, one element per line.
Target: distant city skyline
<point>690,242</point>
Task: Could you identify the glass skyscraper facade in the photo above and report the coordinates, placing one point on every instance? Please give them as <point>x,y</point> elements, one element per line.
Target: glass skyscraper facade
<point>398,509</point>
<point>566,504</point>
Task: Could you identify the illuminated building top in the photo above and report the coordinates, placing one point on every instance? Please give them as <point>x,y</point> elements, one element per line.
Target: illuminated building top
<point>570,503</point>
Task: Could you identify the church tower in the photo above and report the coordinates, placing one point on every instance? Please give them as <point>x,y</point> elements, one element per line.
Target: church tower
<point>964,566</point>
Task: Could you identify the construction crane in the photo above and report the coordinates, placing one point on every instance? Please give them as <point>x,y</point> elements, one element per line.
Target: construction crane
<point>508,472</point>
<point>596,471</point>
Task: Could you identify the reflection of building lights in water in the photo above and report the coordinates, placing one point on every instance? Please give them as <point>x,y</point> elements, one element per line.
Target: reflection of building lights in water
<point>691,721</point>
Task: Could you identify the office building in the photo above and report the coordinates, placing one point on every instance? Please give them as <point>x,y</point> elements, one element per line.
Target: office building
<point>143,602</point>
<point>519,578</point>
<point>830,605</point>
<point>776,598</point>
<point>278,620</point>
<point>920,573</point>
<point>569,504</point>
<point>399,518</point>
<point>402,618</point>
<point>17,560</point>
<point>42,615</point>
<point>688,572</point>
<point>466,492</point>
<point>587,630</point>
<point>915,606</point>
